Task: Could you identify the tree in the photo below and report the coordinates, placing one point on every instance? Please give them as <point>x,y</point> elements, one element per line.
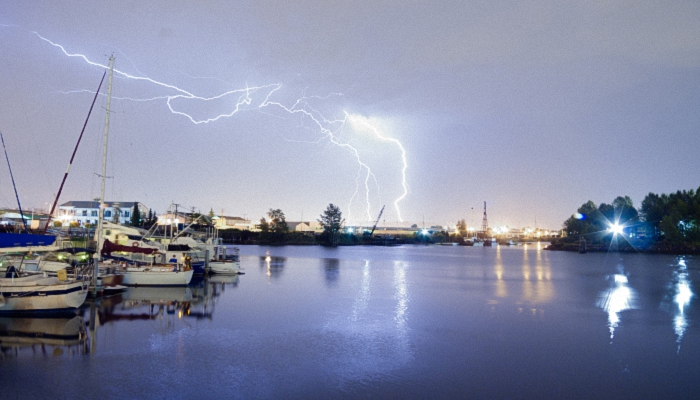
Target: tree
<point>211,213</point>
<point>582,223</point>
<point>136,216</point>
<point>278,224</point>
<point>264,227</point>
<point>330,220</point>
<point>462,227</point>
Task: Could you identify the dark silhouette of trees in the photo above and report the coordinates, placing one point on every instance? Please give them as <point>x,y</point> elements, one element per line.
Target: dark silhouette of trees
<point>665,222</point>
<point>330,220</point>
<point>136,216</point>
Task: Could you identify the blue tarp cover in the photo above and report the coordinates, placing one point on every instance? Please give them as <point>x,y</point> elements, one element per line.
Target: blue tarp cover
<point>25,240</point>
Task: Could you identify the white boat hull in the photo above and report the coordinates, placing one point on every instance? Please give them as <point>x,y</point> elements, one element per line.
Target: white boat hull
<point>156,276</point>
<point>225,267</point>
<point>36,293</point>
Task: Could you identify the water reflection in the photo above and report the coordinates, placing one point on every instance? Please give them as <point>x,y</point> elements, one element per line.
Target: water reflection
<point>681,298</point>
<point>331,268</point>
<point>167,307</point>
<point>49,336</point>
<point>501,288</point>
<point>224,280</point>
<point>272,265</point>
<point>542,290</point>
<point>619,297</point>
<point>363,296</point>
<point>401,317</point>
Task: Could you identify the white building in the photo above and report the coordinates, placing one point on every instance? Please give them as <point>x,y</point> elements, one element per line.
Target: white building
<point>305,226</point>
<point>86,212</point>
<point>225,222</point>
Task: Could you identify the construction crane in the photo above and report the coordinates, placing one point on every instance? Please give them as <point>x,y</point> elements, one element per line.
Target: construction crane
<point>377,221</point>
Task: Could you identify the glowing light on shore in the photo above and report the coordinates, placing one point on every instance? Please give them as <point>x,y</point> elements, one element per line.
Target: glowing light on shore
<point>616,229</point>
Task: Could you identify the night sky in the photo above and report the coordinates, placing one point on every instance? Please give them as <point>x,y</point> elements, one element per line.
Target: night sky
<point>535,107</point>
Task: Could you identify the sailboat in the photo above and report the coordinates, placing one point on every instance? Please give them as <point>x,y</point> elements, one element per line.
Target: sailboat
<point>136,273</point>
<point>39,292</point>
<point>25,292</point>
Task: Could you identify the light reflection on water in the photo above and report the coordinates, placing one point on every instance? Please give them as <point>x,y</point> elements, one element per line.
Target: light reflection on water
<point>401,318</point>
<point>413,321</point>
<point>682,296</point>
<point>363,296</point>
<point>616,299</point>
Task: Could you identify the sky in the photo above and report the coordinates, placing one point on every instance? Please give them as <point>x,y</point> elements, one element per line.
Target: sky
<point>426,108</point>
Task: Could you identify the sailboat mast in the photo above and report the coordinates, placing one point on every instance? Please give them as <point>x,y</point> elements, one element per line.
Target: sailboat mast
<point>70,163</point>
<point>98,234</point>
<point>21,214</point>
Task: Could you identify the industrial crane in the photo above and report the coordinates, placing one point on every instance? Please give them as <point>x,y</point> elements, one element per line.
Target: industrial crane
<point>377,221</point>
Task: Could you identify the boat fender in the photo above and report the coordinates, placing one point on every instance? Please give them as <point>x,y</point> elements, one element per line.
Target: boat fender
<point>135,244</point>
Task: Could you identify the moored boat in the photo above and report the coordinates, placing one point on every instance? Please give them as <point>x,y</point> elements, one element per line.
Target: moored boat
<point>32,293</point>
<point>156,275</point>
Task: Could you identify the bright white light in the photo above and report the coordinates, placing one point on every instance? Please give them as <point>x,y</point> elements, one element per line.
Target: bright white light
<point>424,231</point>
<point>616,229</point>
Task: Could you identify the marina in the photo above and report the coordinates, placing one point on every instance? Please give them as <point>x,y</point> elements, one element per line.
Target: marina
<point>367,321</point>
<point>274,200</point>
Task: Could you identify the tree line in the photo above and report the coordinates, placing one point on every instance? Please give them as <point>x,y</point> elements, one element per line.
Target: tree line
<point>662,223</point>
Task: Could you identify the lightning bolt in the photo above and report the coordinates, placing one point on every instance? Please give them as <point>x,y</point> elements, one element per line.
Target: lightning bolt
<point>244,99</point>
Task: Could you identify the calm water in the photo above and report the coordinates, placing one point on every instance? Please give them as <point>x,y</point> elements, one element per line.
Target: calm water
<point>405,322</point>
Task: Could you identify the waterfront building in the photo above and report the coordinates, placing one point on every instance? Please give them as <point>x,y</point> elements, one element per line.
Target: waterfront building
<point>86,212</point>
<point>228,222</point>
<point>305,226</point>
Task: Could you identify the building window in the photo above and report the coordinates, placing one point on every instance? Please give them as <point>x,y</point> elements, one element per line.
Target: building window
<point>126,214</point>
<point>108,213</point>
<point>93,213</point>
<point>84,213</point>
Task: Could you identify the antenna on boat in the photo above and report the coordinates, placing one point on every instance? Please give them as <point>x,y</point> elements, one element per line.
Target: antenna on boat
<point>98,234</point>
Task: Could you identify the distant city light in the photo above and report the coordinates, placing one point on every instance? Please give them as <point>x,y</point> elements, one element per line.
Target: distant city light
<point>424,231</point>
<point>579,216</point>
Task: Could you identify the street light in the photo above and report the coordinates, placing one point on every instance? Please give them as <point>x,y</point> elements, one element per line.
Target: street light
<point>616,229</point>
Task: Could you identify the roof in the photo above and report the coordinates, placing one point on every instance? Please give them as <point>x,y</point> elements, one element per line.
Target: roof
<point>95,204</point>
<point>232,218</point>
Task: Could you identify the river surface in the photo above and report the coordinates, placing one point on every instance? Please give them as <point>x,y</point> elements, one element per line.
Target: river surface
<point>380,322</point>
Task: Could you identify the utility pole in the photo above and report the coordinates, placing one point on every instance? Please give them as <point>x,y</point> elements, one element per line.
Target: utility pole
<point>485,222</point>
